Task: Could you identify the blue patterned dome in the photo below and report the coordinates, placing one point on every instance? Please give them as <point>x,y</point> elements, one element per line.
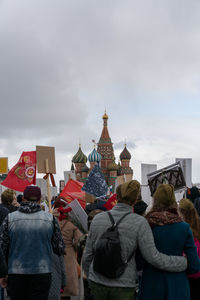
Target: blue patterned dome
<point>94,156</point>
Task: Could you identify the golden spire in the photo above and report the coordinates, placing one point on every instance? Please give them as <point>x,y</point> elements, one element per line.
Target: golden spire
<point>105,116</point>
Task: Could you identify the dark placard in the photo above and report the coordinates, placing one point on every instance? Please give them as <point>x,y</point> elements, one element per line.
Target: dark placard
<point>172,174</point>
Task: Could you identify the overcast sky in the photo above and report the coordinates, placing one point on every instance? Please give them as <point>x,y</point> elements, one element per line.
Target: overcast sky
<point>63,62</point>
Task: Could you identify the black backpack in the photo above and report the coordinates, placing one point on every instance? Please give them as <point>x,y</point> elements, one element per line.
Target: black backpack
<point>107,258</point>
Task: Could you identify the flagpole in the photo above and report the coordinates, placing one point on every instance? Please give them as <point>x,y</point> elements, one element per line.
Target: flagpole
<point>48,185</point>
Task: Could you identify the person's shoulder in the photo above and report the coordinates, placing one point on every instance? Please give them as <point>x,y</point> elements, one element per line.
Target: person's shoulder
<point>181,227</point>
<point>184,225</point>
<point>46,214</point>
<point>3,209</point>
<point>139,219</point>
<point>13,213</point>
<point>102,215</point>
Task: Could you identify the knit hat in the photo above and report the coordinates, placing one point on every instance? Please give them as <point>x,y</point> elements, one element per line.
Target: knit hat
<point>130,190</point>
<point>32,193</point>
<point>7,196</point>
<point>164,195</point>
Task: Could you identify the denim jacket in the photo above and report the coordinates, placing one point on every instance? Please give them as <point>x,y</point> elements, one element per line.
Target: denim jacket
<point>27,237</point>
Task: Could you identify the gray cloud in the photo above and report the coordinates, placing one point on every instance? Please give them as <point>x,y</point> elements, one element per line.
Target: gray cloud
<point>120,145</point>
<point>62,62</point>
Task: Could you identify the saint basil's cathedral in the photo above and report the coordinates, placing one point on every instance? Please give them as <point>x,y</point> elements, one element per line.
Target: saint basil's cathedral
<point>104,156</point>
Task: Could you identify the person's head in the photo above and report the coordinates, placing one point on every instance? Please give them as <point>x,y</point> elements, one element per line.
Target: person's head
<point>59,202</point>
<point>32,193</point>
<point>140,207</point>
<point>193,193</point>
<point>164,196</point>
<point>190,215</point>
<point>91,216</point>
<point>8,196</point>
<point>128,192</point>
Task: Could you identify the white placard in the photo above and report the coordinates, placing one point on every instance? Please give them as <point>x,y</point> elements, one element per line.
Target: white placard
<point>78,214</point>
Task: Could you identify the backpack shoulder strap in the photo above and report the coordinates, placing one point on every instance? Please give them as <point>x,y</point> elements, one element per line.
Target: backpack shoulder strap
<point>111,219</point>
<point>117,223</point>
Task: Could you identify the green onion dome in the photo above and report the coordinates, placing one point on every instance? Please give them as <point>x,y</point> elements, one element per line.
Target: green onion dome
<point>79,157</point>
<point>125,154</point>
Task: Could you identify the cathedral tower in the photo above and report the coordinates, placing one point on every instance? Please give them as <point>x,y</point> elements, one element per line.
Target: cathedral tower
<point>125,158</point>
<point>105,148</point>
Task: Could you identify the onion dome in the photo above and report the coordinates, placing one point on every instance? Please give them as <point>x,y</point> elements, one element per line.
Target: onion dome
<point>79,157</point>
<point>113,166</point>
<point>85,169</point>
<point>105,116</point>
<point>94,156</point>
<point>125,154</point>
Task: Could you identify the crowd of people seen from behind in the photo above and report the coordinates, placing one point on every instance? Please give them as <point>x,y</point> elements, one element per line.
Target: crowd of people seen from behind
<point>131,252</point>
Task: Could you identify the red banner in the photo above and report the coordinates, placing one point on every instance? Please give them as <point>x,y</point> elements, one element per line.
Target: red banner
<point>23,173</point>
<point>111,202</point>
<point>72,191</point>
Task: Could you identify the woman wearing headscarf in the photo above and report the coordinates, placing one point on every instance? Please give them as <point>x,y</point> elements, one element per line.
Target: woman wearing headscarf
<point>190,215</point>
<point>71,236</point>
<point>172,237</point>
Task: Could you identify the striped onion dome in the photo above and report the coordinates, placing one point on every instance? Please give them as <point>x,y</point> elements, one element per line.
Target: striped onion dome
<point>94,156</point>
<point>125,154</point>
<point>79,157</point>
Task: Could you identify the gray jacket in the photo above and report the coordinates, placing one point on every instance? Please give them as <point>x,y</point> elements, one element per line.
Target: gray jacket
<point>134,232</point>
<point>58,279</point>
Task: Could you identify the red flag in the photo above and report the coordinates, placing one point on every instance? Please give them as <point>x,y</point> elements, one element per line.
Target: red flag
<point>110,203</point>
<point>72,191</point>
<point>23,173</point>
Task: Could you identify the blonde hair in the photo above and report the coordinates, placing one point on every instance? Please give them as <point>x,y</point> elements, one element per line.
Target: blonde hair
<point>190,215</point>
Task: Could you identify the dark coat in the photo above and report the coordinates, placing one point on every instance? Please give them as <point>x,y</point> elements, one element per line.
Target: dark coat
<point>173,239</point>
<point>10,207</point>
<point>3,213</point>
<point>3,267</point>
